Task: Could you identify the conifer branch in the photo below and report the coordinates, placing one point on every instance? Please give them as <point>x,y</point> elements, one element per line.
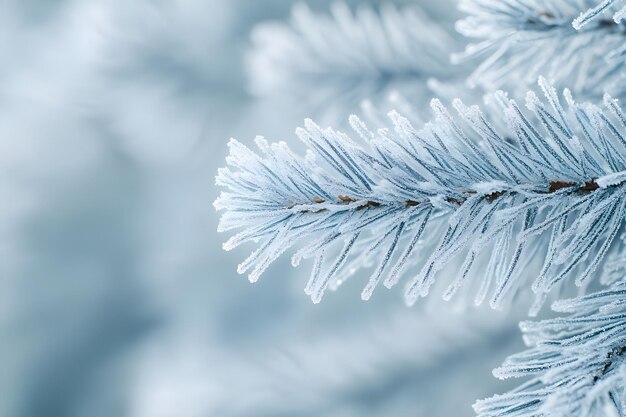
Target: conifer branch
<point>489,193</point>
<point>364,51</point>
<point>577,362</point>
<point>521,39</point>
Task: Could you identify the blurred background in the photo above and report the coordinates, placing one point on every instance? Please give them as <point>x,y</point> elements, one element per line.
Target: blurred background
<point>116,298</point>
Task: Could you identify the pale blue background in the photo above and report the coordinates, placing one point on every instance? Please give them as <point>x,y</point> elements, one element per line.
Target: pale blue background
<point>115,296</point>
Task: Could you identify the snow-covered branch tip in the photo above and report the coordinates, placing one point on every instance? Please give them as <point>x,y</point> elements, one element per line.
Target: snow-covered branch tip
<point>577,362</point>
<point>368,50</point>
<point>570,42</point>
<point>546,189</point>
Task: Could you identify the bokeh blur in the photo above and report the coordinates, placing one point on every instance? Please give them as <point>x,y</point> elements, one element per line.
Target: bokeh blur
<point>116,298</point>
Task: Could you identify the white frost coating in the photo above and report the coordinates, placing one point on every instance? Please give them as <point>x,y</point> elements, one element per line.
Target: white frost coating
<point>619,15</point>
<point>486,188</point>
<point>612,179</point>
<point>409,202</point>
<point>593,13</point>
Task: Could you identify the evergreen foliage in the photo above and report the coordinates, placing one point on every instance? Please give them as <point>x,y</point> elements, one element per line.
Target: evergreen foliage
<point>576,362</point>
<point>523,39</point>
<point>348,53</point>
<point>489,201</point>
<point>490,195</point>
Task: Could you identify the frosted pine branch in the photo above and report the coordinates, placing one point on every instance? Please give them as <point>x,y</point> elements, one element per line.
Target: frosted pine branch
<point>577,362</point>
<point>365,51</point>
<point>560,39</point>
<point>548,189</point>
